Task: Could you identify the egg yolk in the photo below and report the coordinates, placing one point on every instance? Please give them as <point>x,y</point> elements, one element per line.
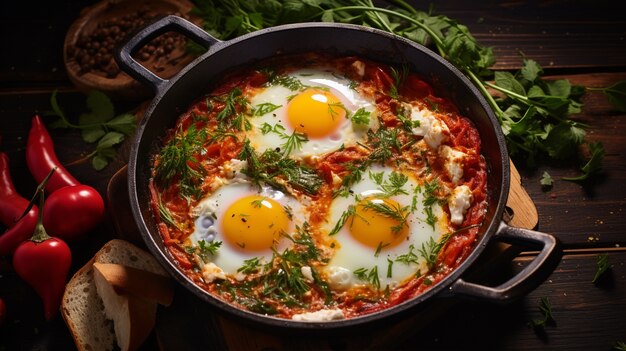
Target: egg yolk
<point>379,222</point>
<point>254,223</point>
<point>315,112</point>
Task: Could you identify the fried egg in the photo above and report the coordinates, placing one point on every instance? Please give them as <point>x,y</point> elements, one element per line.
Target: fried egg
<point>383,231</point>
<point>247,221</point>
<point>319,107</point>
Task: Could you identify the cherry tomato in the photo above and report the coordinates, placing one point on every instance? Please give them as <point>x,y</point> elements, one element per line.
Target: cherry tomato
<point>72,211</point>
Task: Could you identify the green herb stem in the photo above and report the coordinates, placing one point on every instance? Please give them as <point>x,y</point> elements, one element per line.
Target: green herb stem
<point>436,39</point>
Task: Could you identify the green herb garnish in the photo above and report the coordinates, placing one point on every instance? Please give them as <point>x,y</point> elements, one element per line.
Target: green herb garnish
<point>264,108</point>
<point>233,114</point>
<point>546,180</point>
<point>534,113</point>
<point>602,265</point>
<point>100,125</point>
<point>177,161</point>
<point>370,276</point>
<point>361,117</point>
<point>546,310</point>
<point>274,168</point>
<point>409,257</point>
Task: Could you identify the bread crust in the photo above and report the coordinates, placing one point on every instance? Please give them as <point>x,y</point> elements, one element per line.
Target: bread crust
<point>82,308</point>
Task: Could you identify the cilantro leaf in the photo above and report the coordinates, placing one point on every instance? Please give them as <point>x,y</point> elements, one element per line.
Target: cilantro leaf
<point>98,125</point>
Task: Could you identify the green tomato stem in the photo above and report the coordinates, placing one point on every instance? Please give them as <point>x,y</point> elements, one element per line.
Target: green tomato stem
<point>40,234</point>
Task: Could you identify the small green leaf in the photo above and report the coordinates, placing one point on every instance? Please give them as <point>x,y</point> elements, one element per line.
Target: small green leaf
<point>616,94</point>
<point>328,16</point>
<point>560,87</point>
<point>98,162</point>
<point>546,179</point>
<point>124,123</point>
<point>531,70</point>
<point>594,165</point>
<point>602,265</point>
<point>110,139</point>
<point>91,135</point>
<point>507,81</point>
<point>100,105</point>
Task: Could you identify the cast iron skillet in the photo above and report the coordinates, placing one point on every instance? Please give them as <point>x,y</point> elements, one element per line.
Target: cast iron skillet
<point>173,96</point>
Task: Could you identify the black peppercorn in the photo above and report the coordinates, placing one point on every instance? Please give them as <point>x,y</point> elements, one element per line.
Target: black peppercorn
<point>93,52</point>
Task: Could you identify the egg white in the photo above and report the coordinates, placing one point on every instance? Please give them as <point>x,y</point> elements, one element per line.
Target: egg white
<point>346,133</point>
<point>210,213</point>
<point>351,255</point>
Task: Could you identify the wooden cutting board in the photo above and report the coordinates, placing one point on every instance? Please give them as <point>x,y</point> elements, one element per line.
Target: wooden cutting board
<point>191,324</point>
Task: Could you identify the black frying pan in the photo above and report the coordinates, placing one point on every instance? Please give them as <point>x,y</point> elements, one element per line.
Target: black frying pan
<point>173,96</point>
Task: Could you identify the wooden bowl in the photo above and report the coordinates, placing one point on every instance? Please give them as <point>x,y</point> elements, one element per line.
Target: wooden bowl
<point>98,71</point>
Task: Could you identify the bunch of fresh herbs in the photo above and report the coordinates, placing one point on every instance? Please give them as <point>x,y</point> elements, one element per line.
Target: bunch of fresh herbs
<point>535,113</point>
<point>100,125</point>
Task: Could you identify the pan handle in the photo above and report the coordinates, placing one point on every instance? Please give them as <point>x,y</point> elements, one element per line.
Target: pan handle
<point>528,278</point>
<point>168,23</point>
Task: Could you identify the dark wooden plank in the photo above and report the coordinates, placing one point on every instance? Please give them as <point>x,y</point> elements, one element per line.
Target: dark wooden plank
<point>557,34</point>
<point>587,316</point>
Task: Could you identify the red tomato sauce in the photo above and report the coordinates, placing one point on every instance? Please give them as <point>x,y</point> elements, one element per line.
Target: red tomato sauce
<point>378,81</point>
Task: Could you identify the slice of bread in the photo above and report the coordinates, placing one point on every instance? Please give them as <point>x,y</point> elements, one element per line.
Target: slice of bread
<point>133,317</point>
<point>132,281</point>
<point>83,309</point>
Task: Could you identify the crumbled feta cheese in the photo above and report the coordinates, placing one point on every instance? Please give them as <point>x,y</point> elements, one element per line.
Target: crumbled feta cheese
<point>233,168</point>
<point>359,68</point>
<point>211,272</point>
<point>432,129</point>
<point>319,316</point>
<point>458,202</point>
<point>339,278</point>
<point>453,162</point>
<point>307,273</point>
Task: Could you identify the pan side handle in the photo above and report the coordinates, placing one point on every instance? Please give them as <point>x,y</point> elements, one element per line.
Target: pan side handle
<point>528,278</point>
<point>136,70</point>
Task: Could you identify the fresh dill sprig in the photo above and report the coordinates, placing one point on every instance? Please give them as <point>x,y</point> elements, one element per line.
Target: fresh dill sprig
<point>271,166</point>
<point>233,115</point>
<point>177,161</point>
<point>370,276</point>
<point>264,108</point>
<point>397,213</point>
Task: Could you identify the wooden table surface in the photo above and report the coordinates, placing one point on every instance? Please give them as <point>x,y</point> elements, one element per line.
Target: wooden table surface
<point>581,41</point>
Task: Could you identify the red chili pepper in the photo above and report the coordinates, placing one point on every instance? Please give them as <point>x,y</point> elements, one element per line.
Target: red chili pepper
<point>12,205</point>
<point>72,208</point>
<point>44,263</point>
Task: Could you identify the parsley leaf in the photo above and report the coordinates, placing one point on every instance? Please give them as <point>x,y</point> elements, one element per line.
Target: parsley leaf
<point>534,113</point>
<point>546,180</point>
<point>99,125</point>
